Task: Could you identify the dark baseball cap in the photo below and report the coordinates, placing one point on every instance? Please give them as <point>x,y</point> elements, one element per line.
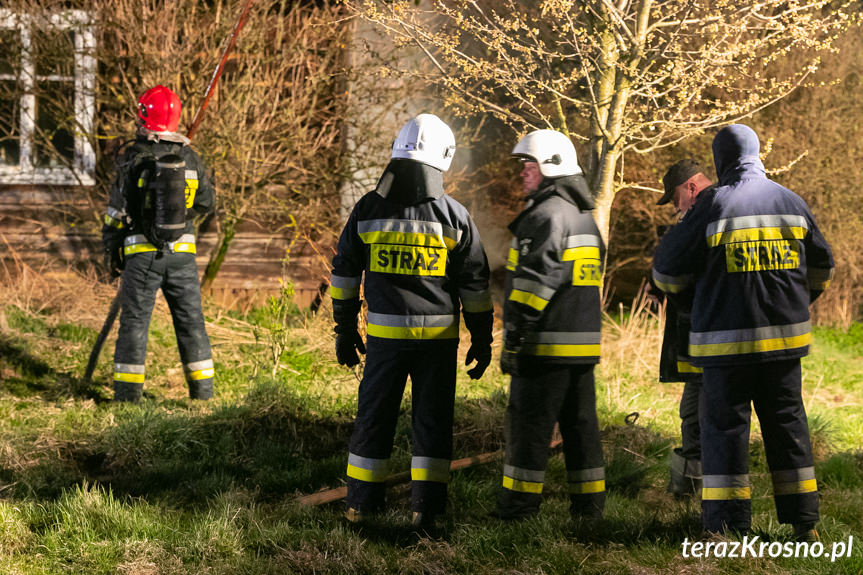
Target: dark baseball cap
<point>676,175</point>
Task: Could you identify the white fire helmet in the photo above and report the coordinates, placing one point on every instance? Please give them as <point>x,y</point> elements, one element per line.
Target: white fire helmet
<point>552,150</point>
<point>426,139</point>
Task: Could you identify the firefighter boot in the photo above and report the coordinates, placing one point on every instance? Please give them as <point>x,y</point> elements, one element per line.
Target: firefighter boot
<point>685,475</point>
<point>128,391</point>
<point>423,521</point>
<point>805,532</point>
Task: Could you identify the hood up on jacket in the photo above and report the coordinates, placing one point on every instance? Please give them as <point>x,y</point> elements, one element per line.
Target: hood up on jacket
<point>574,188</point>
<point>408,182</point>
<point>735,154</point>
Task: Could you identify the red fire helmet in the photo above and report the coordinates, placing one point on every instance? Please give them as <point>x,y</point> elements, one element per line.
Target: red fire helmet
<point>159,109</point>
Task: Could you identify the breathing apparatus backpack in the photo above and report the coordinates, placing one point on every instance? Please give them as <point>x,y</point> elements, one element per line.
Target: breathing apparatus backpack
<point>161,198</point>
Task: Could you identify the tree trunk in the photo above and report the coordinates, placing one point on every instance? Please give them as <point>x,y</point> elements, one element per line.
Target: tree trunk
<point>229,228</point>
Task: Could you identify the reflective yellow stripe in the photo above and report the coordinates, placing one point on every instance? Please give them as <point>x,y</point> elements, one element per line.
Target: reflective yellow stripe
<point>671,284</point>
<point>368,475</point>
<point>185,248</point>
<point>114,223</point>
<point>419,474</point>
<point>129,377</point>
<point>587,487</point>
<point>407,239</point>
<point>796,487</point>
<point>724,493</point>
<point>521,486</point>
<point>742,347</point>
<point>512,259</point>
<point>430,469</point>
<point>580,253</point>
<point>344,293</point>
<point>138,248</point>
<point>400,332</point>
<point>201,374</point>
<point>686,367</point>
<point>528,299</point>
<point>562,350</point>
<point>756,234</point>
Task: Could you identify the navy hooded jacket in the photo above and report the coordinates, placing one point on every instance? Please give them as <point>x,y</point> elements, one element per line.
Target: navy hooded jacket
<point>755,256</point>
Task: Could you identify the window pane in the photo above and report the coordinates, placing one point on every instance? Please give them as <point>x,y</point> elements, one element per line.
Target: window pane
<point>54,140</point>
<point>54,52</point>
<point>10,150</point>
<point>10,52</point>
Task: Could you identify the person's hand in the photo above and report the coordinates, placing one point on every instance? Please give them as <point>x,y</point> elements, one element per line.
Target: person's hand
<point>114,262</point>
<point>347,345</point>
<point>482,354</point>
<point>509,360</point>
<point>509,356</point>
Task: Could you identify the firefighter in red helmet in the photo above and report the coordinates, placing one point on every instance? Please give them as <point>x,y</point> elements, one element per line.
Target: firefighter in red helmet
<point>161,189</point>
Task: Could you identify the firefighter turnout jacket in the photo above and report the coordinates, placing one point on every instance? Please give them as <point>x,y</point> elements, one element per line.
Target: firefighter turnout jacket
<point>554,279</point>
<point>152,263</point>
<point>421,255</point>
<point>756,258</point>
<point>122,229</point>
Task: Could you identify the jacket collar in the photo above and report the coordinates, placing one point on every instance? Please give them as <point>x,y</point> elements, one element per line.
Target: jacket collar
<point>408,182</point>
<point>173,137</point>
<point>573,189</point>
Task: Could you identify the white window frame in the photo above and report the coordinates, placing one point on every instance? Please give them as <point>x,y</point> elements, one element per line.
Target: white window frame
<point>84,162</point>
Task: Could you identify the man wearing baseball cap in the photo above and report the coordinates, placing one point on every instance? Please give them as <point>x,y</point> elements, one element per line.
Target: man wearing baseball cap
<point>683,183</point>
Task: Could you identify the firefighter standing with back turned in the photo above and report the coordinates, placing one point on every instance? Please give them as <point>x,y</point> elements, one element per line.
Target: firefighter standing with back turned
<point>421,255</point>
<point>757,261</point>
<point>552,331</point>
<point>149,233</point>
<point>683,182</point>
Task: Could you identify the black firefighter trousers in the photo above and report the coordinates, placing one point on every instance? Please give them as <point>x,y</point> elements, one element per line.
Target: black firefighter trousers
<point>774,389</point>
<point>540,396</point>
<point>431,366</point>
<point>177,276</point>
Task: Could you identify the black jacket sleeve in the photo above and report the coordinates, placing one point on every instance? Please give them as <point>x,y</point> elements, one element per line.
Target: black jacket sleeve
<point>539,272</point>
<point>348,266</point>
<point>472,273</point>
<point>819,259</point>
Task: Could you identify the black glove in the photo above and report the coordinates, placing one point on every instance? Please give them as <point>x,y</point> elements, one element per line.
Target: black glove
<point>114,261</point>
<point>347,345</point>
<point>511,349</point>
<point>481,352</point>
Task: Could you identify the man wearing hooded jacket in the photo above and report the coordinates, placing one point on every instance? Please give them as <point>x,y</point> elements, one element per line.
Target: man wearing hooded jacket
<point>757,260</point>
<point>552,331</point>
<point>421,255</point>
<point>149,265</point>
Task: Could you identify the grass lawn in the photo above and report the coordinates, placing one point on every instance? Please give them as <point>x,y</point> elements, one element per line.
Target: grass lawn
<point>172,486</point>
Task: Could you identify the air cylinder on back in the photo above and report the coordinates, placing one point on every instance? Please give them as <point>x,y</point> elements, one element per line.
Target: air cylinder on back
<point>170,197</point>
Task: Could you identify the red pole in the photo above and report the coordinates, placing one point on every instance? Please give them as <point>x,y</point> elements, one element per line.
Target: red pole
<point>232,39</point>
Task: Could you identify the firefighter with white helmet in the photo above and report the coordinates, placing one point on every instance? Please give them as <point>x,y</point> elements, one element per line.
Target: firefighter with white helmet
<point>552,331</point>
<point>161,187</point>
<point>423,263</point>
